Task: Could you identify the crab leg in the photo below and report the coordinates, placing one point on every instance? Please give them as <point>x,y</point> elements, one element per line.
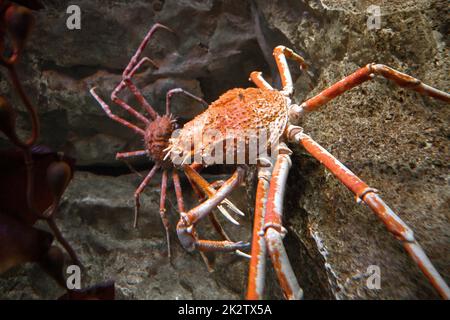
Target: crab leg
<point>199,182</point>
<point>367,73</point>
<point>113,116</point>
<point>280,54</point>
<point>180,202</point>
<point>199,212</point>
<point>185,227</point>
<point>212,217</point>
<point>142,46</point>
<point>130,109</point>
<point>257,270</point>
<point>202,196</point>
<point>209,190</point>
<point>122,155</point>
<point>178,191</point>
<point>138,192</point>
<point>273,229</point>
<point>123,104</point>
<point>126,81</point>
<point>162,208</point>
<point>131,69</point>
<point>171,92</point>
<point>368,195</point>
<point>260,82</point>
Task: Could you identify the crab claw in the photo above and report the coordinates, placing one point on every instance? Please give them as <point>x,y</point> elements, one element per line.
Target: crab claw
<point>186,235</point>
<point>233,207</point>
<point>243,254</point>
<point>225,213</point>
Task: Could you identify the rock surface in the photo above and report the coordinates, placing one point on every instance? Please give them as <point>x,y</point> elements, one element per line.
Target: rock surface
<point>396,140</point>
<point>96,217</point>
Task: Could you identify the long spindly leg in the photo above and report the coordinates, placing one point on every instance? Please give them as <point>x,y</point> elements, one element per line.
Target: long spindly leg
<point>280,54</point>
<point>138,192</point>
<point>185,227</point>
<point>124,155</point>
<point>126,81</point>
<point>260,82</point>
<point>178,191</point>
<point>368,195</point>
<point>172,92</point>
<point>273,229</point>
<point>257,269</point>
<point>367,73</point>
<point>137,153</point>
<point>130,109</point>
<point>134,60</point>
<point>113,116</point>
<point>132,67</point>
<point>162,209</point>
<point>121,103</point>
<point>180,202</point>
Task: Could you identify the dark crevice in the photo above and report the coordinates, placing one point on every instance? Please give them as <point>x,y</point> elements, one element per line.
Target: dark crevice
<point>77,72</point>
<point>236,75</point>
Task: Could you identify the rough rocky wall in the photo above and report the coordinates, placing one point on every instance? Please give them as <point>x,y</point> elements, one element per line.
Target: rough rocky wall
<point>395,140</point>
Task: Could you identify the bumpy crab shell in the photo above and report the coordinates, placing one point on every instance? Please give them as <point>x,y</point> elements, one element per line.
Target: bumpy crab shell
<point>236,116</point>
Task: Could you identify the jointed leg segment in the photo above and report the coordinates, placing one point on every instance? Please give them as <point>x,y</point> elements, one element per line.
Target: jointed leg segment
<point>180,202</point>
<point>274,231</point>
<point>135,58</point>
<point>260,82</point>
<point>280,54</point>
<point>162,209</point>
<point>137,153</point>
<point>366,194</point>
<point>138,192</point>
<point>172,92</point>
<point>200,185</point>
<point>367,73</point>
<point>129,72</point>
<point>257,270</point>
<point>185,227</point>
<point>114,117</point>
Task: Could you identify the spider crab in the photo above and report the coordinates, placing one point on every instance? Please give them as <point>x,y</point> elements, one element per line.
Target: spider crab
<point>272,111</point>
<point>226,132</point>
<point>156,134</point>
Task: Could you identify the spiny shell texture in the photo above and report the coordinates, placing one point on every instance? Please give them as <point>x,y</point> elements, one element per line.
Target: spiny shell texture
<point>237,114</point>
